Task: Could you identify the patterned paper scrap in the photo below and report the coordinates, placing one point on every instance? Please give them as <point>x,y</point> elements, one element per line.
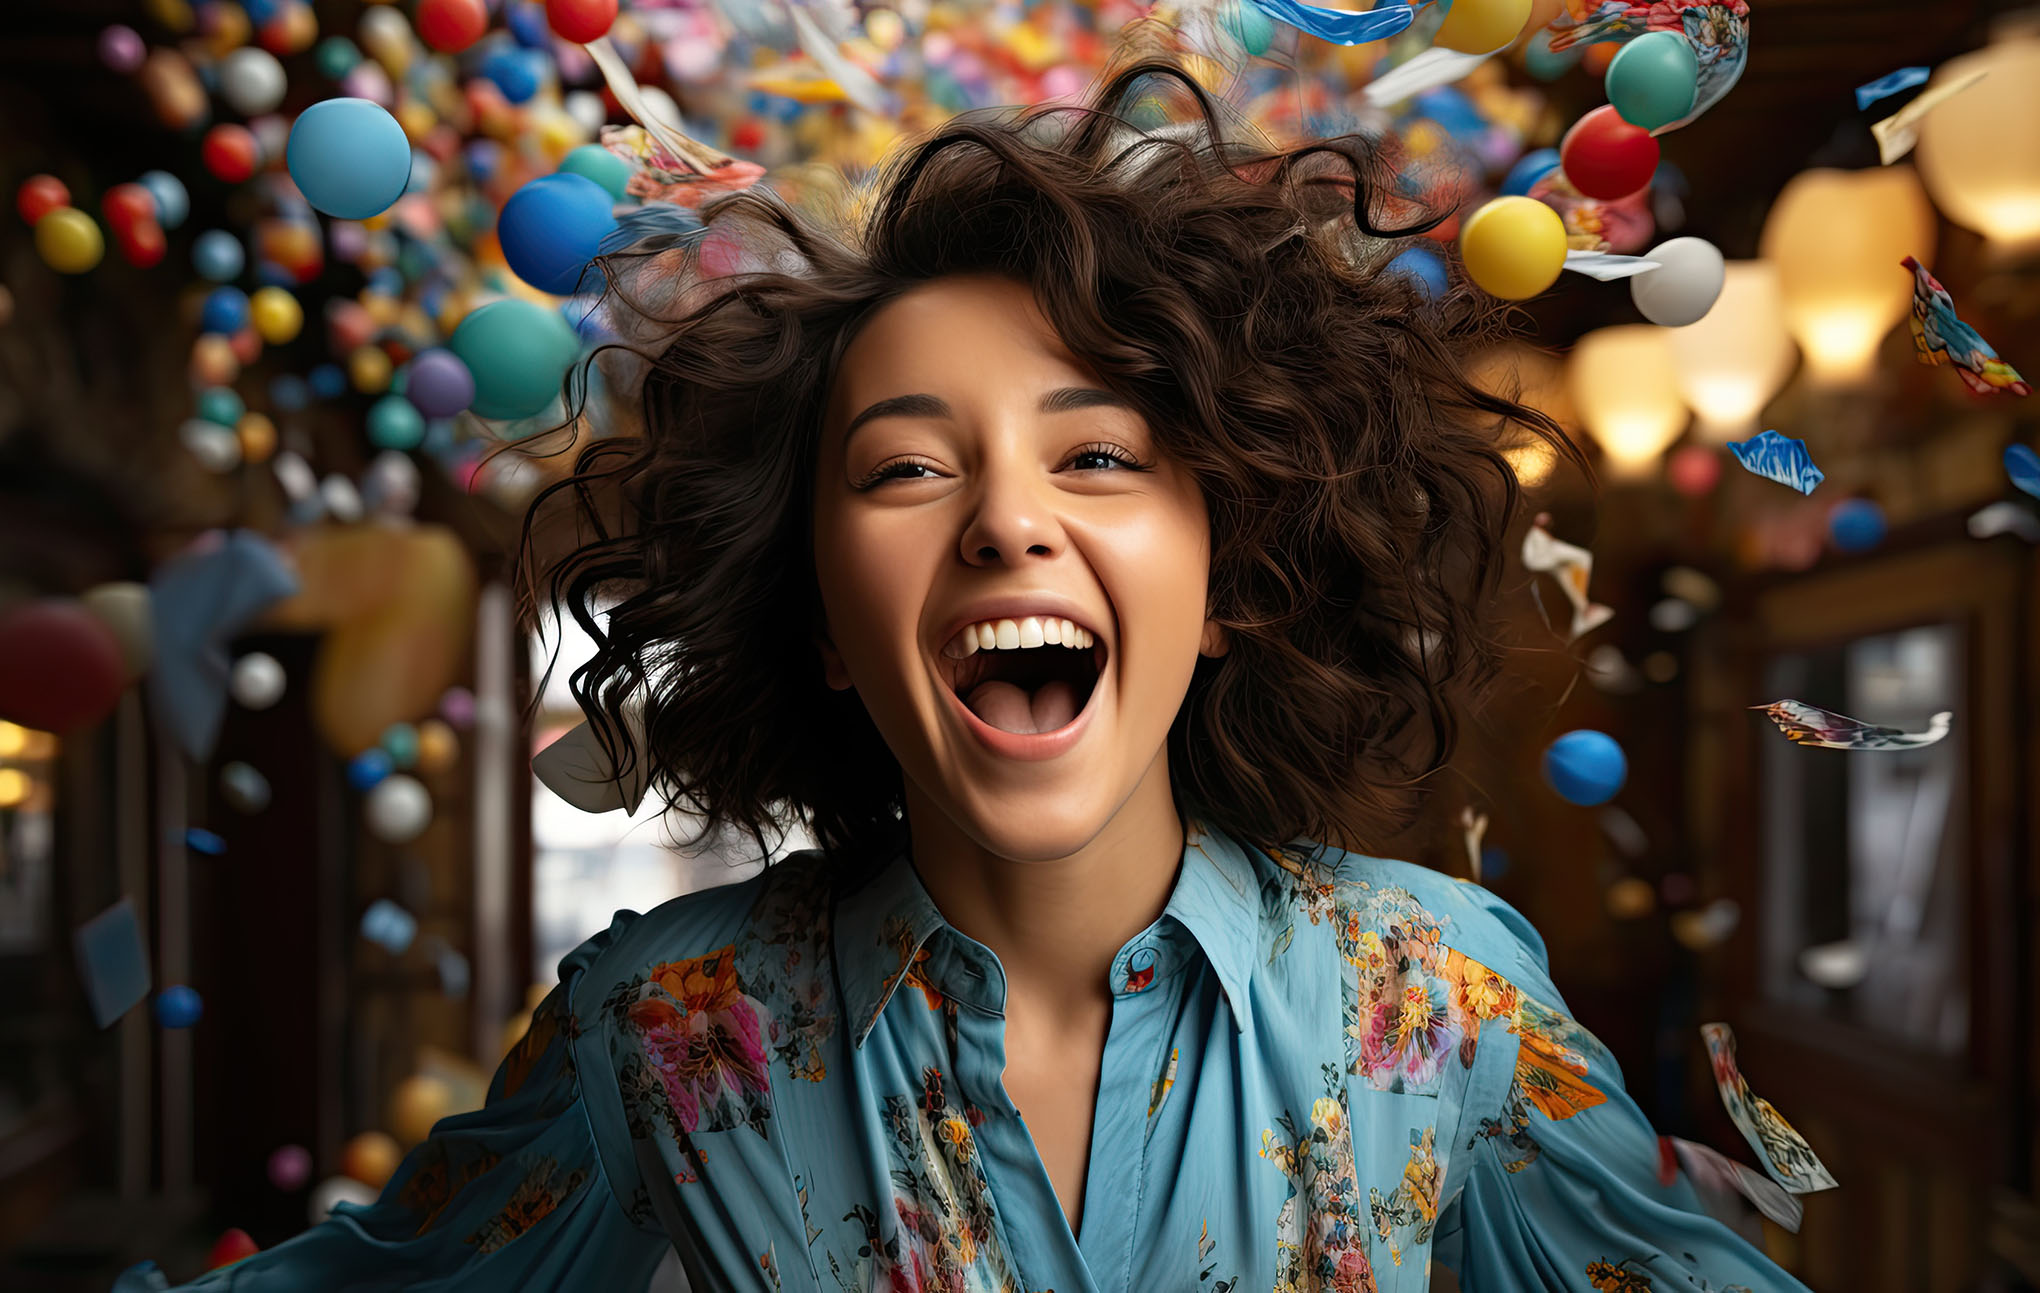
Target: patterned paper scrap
<point>1780,458</point>
<point>1786,1156</point>
<point>1941,337</point>
<point>1805,724</point>
<point>1905,78</point>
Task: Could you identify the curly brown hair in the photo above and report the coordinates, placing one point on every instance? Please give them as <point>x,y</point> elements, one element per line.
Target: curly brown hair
<point>1237,294</point>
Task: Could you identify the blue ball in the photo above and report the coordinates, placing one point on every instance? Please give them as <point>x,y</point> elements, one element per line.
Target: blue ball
<point>349,157</point>
<point>217,256</point>
<point>1426,268</point>
<point>173,203</point>
<point>289,392</point>
<point>527,24</point>
<point>260,11</point>
<point>395,423</point>
<point>178,1006</point>
<point>1856,525</point>
<point>387,281</point>
<point>328,382</point>
<point>483,157</point>
<point>515,71</point>
<point>552,227</point>
<point>226,310</point>
<point>200,840</point>
<point>220,404</point>
<point>1530,168</point>
<point>366,770</point>
<point>1585,767</point>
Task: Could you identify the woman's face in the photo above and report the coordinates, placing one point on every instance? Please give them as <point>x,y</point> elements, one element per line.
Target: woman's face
<point>976,488</point>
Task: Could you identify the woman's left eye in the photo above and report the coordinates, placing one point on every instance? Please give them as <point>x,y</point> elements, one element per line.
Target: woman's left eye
<point>1104,457</point>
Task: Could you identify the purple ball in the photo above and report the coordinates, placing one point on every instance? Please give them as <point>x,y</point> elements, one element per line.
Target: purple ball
<point>290,1167</point>
<point>438,384</point>
<point>457,707</point>
<point>121,49</point>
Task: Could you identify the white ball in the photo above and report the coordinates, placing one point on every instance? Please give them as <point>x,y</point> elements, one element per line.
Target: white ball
<point>391,484</point>
<point>1684,286</point>
<point>342,500</point>
<point>216,448</point>
<point>587,111</point>
<point>339,1189</point>
<point>257,681</point>
<point>252,80</point>
<point>660,105</point>
<point>399,809</point>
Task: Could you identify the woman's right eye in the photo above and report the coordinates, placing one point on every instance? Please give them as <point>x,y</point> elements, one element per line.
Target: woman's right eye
<point>898,469</point>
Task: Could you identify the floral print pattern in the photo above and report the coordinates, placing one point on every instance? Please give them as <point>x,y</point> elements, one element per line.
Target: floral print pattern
<point>545,1187</point>
<point>703,1038</point>
<point>1406,1217</point>
<point>1320,1239</point>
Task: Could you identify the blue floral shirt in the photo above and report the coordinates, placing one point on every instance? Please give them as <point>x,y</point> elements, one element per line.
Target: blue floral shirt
<point>1323,1071</point>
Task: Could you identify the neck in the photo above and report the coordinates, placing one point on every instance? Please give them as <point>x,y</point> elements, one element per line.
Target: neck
<point>1055,924</point>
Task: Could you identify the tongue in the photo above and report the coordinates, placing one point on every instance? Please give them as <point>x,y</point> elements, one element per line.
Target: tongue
<point>1008,708</point>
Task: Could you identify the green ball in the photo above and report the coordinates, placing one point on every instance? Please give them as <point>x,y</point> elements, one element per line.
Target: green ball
<point>220,404</point>
<point>400,742</point>
<point>393,423</point>
<point>1653,80</point>
<point>594,162</point>
<point>519,353</point>
<point>336,56</point>
<point>1253,29</point>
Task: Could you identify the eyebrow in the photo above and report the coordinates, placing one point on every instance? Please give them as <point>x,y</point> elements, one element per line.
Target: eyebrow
<point>1066,399</point>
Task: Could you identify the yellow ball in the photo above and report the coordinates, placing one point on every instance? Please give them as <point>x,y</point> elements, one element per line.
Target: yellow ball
<point>68,241</point>
<point>417,119</point>
<point>369,369</point>
<point>418,1102</point>
<point>371,1158</point>
<point>258,437</point>
<point>1513,247</point>
<point>1482,26</point>
<point>276,314</point>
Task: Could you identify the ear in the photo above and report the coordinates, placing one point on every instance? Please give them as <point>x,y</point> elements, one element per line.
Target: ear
<point>833,672</point>
<point>1214,641</point>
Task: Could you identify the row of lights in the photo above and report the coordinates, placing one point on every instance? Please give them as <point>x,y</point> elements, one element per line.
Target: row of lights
<point>24,756</point>
<point>1828,285</point>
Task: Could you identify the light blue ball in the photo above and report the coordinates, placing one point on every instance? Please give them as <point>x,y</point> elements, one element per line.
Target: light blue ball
<point>552,227</point>
<point>368,769</point>
<point>593,161</point>
<point>178,1006</point>
<point>1530,168</point>
<point>395,423</point>
<point>173,202</point>
<point>518,352</point>
<point>349,157</point>
<point>217,256</point>
<point>220,404</point>
<point>1585,767</point>
<point>289,392</point>
<point>1856,525</point>
<point>1654,80</point>
<point>225,311</point>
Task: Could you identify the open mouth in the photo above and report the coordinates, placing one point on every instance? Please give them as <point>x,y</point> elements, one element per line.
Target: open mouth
<point>1026,690</point>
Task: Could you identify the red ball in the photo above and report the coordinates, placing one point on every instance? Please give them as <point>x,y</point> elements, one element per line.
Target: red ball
<point>60,666</point>
<point>580,21</point>
<point>1605,157</point>
<point>39,195</point>
<point>127,205</point>
<point>231,1247</point>
<point>230,152</point>
<point>142,243</point>
<point>1694,469</point>
<point>450,26</point>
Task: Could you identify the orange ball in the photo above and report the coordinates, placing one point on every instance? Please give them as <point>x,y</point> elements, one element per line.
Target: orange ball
<point>291,31</point>
<point>419,1101</point>
<point>1598,56</point>
<point>213,362</point>
<point>371,1158</point>
<point>257,435</point>
<point>247,344</point>
<point>438,747</point>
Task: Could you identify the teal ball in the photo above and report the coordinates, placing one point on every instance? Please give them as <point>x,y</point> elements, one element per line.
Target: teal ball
<point>1247,24</point>
<point>519,353</point>
<point>395,423</point>
<point>1654,80</point>
<point>594,162</point>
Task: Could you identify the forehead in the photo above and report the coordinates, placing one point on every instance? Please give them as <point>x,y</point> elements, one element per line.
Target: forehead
<point>950,336</point>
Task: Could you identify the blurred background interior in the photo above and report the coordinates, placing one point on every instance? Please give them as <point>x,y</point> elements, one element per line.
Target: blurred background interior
<point>275,902</point>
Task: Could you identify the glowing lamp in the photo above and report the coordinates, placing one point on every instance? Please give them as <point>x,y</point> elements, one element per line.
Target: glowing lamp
<point>1979,152</point>
<point>1626,390</point>
<point>1836,238</point>
<point>1736,358</point>
<point>1534,377</point>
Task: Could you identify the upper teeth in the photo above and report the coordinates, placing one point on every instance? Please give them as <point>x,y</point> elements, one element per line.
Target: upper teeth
<point>1016,635</point>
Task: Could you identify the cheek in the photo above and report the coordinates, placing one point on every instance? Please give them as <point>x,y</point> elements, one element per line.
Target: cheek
<point>870,585</point>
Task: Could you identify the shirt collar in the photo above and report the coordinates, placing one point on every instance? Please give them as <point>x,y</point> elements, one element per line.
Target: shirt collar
<point>885,928</point>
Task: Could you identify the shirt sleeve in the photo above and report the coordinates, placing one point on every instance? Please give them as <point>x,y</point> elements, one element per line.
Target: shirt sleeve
<point>510,1197</point>
<point>1559,1177</point>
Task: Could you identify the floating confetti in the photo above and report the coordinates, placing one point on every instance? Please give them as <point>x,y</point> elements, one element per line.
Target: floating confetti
<point>1805,724</point>
<point>113,962</point>
<point>2004,518</point>
<point>1786,1156</point>
<point>389,926</point>
<point>2023,466</point>
<point>1713,1172</point>
<point>1942,338</point>
<point>1897,133</point>
<point>1905,78</point>
<point>1606,266</point>
<point>1572,566</point>
<point>1780,458</point>
<point>1473,828</point>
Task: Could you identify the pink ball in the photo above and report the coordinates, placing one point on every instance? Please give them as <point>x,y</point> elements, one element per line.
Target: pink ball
<point>457,707</point>
<point>121,48</point>
<point>1694,469</point>
<point>290,1167</point>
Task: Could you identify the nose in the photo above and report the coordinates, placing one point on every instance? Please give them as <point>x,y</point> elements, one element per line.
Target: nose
<point>1013,518</point>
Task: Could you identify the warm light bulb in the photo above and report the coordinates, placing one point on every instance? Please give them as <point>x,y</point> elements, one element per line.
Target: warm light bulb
<point>1626,390</point>
<point>1837,238</point>
<point>1732,362</point>
<point>1979,150</point>
<point>14,787</point>
<point>13,740</point>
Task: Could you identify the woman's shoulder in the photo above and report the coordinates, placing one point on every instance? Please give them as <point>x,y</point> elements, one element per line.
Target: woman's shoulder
<point>1378,894</point>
